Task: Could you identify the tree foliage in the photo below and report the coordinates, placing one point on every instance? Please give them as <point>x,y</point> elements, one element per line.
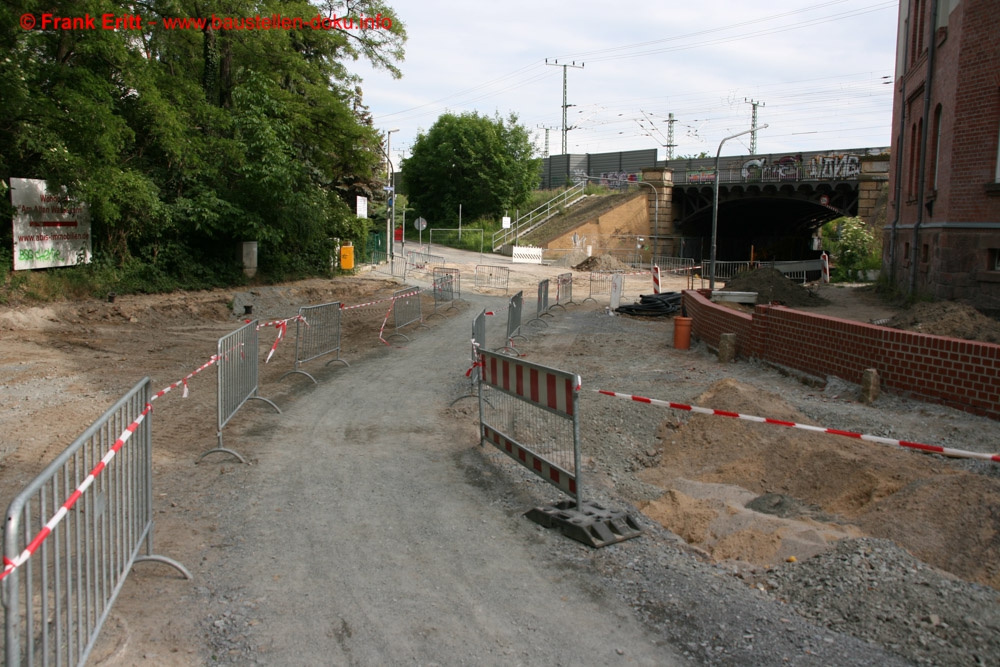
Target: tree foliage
<point>854,245</point>
<point>186,141</point>
<point>485,164</point>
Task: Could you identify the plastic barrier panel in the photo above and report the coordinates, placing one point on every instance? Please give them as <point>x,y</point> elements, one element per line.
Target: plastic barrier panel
<point>533,417</point>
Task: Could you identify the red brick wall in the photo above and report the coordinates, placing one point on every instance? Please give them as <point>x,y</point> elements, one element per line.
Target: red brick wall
<point>709,321</point>
<point>958,373</point>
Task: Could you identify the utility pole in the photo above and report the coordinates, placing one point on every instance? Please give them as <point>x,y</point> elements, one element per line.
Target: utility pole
<point>565,106</point>
<point>753,124</point>
<point>670,136</point>
<point>546,128</point>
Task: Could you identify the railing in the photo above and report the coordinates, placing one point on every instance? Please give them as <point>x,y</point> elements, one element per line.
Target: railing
<point>56,601</point>
<point>237,377</point>
<point>766,174</point>
<point>446,289</point>
<point>406,310</point>
<point>492,277</point>
<point>536,217</point>
<point>679,265</point>
<point>317,334</point>
<point>515,305</point>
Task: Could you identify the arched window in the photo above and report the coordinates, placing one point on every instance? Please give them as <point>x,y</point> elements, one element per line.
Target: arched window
<point>918,26</point>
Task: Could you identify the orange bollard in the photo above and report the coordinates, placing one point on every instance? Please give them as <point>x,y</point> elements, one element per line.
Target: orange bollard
<point>682,333</point>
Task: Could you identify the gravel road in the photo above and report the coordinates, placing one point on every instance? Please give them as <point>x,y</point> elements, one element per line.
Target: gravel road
<point>380,533</point>
<point>371,528</point>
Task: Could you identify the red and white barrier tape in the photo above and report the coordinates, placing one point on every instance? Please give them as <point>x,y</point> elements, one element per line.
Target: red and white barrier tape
<point>43,534</point>
<point>497,311</point>
<point>375,303</point>
<point>282,327</point>
<point>933,449</point>
<point>391,306</point>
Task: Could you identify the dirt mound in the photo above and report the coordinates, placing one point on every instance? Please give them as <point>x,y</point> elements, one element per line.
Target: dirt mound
<point>884,491</point>
<point>947,318</point>
<point>772,286</point>
<point>601,263</point>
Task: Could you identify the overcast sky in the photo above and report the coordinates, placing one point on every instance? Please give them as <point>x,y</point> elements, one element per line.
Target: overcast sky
<point>821,69</point>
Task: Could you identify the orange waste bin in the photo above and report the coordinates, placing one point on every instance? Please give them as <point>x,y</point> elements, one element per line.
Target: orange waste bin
<point>682,333</point>
<point>347,257</point>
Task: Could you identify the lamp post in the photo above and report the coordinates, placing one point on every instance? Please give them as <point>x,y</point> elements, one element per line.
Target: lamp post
<point>390,214</point>
<point>715,198</point>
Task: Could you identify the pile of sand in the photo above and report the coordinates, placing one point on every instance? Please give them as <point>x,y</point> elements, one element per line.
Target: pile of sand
<point>601,263</point>
<point>943,515</point>
<point>947,318</point>
<point>772,286</point>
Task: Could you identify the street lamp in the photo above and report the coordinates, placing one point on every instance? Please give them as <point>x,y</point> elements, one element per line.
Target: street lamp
<point>715,198</point>
<point>390,217</point>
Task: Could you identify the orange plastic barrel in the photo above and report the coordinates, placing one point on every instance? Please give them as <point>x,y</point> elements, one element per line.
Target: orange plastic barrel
<point>347,257</point>
<point>682,333</point>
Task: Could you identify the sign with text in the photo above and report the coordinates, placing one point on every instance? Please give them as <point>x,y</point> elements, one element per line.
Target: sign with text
<point>362,207</point>
<point>50,229</point>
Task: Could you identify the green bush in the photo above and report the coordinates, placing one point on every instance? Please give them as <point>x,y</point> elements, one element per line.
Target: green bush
<point>853,246</point>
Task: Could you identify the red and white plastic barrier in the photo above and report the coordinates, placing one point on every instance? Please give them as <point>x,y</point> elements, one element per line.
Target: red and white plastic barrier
<point>825,266</point>
<point>656,279</point>
<point>933,449</point>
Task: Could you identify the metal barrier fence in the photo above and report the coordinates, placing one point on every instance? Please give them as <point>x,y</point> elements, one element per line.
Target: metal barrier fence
<point>445,286</point>
<point>628,257</point>
<point>56,601</point>
<point>455,281</point>
<point>798,270</point>
<point>533,417</point>
<point>679,265</point>
<point>515,306</point>
<point>406,310</point>
<point>317,334</point>
<point>542,303</point>
<point>564,290</point>
<point>478,343</point>
<point>418,259</point>
<point>600,284</point>
<point>238,378</point>
<point>726,270</point>
<point>395,267</point>
<point>492,277</point>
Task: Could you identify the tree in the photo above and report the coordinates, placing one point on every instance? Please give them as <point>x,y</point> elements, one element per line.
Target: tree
<point>854,245</point>
<point>186,140</point>
<point>485,164</point>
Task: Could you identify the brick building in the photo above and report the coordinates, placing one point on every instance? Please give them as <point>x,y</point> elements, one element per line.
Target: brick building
<point>943,230</point>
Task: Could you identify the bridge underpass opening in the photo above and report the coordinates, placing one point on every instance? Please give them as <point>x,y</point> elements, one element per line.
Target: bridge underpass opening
<point>771,228</point>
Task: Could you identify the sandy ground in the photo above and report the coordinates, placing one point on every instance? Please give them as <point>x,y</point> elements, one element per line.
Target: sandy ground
<point>63,364</point>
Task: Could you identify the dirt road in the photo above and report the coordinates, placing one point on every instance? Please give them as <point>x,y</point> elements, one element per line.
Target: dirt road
<point>370,528</point>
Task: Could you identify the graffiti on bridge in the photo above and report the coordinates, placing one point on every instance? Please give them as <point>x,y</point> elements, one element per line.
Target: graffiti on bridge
<point>791,167</point>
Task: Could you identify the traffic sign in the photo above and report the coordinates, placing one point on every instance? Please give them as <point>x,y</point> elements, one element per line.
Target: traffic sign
<point>420,224</point>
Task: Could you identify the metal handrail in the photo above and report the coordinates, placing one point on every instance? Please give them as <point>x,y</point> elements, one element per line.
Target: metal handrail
<point>538,215</point>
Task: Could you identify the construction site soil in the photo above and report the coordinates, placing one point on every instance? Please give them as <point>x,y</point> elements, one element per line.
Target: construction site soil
<point>858,541</point>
